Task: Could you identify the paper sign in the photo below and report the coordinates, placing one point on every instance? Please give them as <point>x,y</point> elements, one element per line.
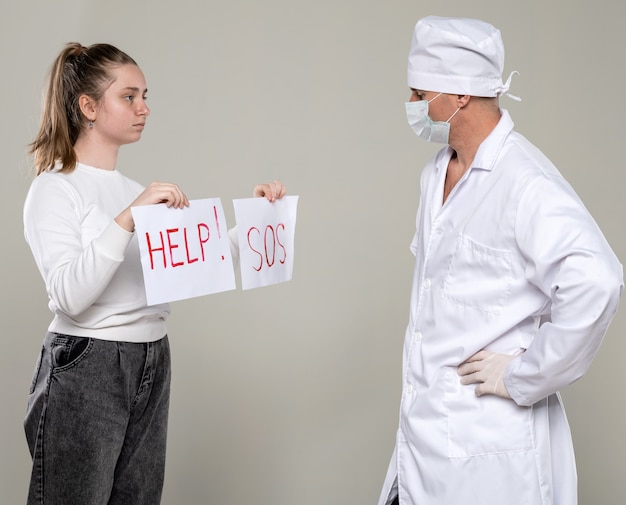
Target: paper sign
<point>184,252</point>
<point>266,240</point>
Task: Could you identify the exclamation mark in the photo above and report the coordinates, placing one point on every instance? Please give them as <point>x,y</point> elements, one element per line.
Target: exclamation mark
<point>217,224</point>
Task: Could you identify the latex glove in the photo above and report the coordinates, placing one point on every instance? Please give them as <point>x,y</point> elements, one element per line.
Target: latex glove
<point>486,369</point>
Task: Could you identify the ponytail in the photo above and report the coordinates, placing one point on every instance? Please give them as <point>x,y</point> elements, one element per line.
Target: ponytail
<point>76,71</point>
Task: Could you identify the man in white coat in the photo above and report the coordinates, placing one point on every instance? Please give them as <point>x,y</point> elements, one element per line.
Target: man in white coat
<point>513,291</point>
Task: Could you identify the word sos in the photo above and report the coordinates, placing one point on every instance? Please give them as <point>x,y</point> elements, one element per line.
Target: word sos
<point>267,245</point>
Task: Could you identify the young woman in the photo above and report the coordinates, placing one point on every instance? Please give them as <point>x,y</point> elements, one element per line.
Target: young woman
<point>97,412</point>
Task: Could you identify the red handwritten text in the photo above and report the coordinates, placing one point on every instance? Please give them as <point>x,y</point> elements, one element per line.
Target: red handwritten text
<point>170,240</point>
<point>266,246</point>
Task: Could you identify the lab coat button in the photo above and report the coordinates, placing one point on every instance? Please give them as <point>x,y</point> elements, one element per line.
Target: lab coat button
<point>426,283</point>
<point>409,388</point>
<point>418,336</point>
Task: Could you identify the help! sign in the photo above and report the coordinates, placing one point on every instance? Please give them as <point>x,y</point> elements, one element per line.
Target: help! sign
<point>184,252</point>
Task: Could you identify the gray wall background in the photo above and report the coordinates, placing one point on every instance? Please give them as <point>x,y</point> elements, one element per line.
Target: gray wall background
<point>289,394</point>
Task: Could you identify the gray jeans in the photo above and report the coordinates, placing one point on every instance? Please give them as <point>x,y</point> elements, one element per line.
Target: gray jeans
<point>96,422</point>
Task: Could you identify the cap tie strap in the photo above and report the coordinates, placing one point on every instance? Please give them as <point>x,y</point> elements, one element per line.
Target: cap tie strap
<point>504,89</point>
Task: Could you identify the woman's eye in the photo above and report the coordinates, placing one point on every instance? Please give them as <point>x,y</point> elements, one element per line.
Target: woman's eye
<point>129,98</point>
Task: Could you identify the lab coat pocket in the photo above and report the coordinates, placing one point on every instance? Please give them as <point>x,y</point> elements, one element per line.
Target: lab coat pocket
<point>484,425</point>
<point>478,277</point>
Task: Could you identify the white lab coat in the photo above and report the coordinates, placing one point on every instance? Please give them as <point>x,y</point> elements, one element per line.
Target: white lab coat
<point>512,261</point>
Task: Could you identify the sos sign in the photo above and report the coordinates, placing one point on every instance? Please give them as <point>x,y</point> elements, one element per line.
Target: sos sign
<point>267,245</point>
<point>266,240</point>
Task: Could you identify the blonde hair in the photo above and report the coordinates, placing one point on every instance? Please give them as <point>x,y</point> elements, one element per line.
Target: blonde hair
<point>76,71</point>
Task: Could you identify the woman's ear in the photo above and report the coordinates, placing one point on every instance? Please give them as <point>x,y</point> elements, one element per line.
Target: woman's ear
<point>87,107</point>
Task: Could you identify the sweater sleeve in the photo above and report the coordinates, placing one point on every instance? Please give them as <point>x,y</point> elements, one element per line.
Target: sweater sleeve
<point>570,261</point>
<point>75,273</point>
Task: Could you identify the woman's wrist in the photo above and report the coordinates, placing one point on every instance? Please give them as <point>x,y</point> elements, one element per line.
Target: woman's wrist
<point>125,220</point>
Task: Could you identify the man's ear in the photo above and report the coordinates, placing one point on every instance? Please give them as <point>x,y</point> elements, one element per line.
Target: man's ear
<point>462,100</point>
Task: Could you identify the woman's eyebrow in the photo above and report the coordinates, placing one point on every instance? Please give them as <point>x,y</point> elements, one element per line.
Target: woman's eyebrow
<point>134,89</point>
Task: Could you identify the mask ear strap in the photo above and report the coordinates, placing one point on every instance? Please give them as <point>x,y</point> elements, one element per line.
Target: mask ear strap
<point>434,98</point>
<point>504,89</point>
<point>455,112</point>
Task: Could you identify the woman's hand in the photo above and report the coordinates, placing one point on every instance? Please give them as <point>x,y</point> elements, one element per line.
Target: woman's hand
<point>157,192</point>
<point>272,190</point>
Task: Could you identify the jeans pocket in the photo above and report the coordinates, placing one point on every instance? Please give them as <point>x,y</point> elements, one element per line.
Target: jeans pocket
<point>69,350</point>
<point>36,372</point>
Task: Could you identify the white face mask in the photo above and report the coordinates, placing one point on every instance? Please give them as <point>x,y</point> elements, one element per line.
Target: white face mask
<point>423,126</point>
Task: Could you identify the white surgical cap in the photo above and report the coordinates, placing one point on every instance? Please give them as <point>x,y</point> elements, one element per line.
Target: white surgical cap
<point>457,55</point>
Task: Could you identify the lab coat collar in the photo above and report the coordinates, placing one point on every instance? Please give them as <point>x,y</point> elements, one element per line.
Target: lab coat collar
<point>490,148</point>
